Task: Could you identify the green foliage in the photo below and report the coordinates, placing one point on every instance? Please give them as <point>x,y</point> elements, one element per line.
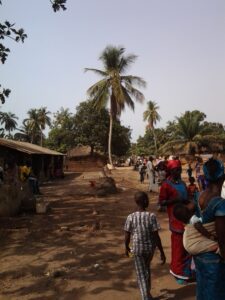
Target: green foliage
<point>115,88</point>
<point>88,126</point>
<point>121,139</point>
<point>7,30</point>
<point>62,133</point>
<point>4,93</point>
<point>146,145</point>
<point>189,133</point>
<point>33,125</point>
<point>8,120</point>
<point>58,4</point>
<point>91,126</point>
<point>151,115</point>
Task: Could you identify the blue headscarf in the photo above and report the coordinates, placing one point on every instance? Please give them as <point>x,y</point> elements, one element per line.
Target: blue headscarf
<point>217,172</point>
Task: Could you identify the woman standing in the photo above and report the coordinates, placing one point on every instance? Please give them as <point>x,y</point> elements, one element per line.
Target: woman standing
<point>173,191</point>
<point>210,267</point>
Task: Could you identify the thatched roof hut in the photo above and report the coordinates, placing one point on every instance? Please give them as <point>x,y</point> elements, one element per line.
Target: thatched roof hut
<point>81,158</point>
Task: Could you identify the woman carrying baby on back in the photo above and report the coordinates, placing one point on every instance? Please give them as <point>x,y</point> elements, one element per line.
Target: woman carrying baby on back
<point>208,241</point>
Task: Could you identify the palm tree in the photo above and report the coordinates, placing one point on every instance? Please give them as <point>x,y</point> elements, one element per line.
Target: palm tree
<point>24,133</point>
<point>115,88</point>
<point>189,132</point>
<point>44,120</point>
<point>9,121</point>
<point>32,124</point>
<point>152,116</point>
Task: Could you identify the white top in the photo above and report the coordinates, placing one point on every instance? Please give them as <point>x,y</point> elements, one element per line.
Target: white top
<point>149,166</point>
<point>223,191</point>
<point>194,219</point>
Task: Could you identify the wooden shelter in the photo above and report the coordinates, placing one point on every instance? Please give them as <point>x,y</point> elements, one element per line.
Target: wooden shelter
<point>45,162</point>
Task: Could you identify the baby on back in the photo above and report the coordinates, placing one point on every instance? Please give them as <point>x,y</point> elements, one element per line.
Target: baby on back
<point>198,237</point>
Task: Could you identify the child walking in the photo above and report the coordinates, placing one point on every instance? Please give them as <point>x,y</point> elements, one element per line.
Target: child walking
<point>142,171</point>
<point>143,227</point>
<point>192,188</point>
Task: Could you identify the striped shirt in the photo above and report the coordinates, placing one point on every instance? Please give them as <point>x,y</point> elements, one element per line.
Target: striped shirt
<point>141,225</point>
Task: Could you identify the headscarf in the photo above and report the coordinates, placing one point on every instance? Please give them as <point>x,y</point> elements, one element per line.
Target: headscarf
<point>215,174</point>
<point>173,164</point>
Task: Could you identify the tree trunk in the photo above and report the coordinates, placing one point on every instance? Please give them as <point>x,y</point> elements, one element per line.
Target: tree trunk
<point>154,137</point>
<point>41,138</point>
<point>110,138</point>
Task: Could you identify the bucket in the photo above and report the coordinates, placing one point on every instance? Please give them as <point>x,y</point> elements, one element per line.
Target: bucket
<point>41,207</point>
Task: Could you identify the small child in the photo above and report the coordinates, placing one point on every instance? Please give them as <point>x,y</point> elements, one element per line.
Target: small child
<point>189,171</point>
<point>198,237</point>
<point>192,188</point>
<point>202,182</point>
<point>143,227</point>
<point>142,171</point>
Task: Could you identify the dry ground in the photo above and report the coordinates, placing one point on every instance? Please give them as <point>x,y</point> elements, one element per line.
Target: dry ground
<point>75,252</point>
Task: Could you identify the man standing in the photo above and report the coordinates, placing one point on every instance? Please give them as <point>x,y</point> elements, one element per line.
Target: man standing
<point>151,173</point>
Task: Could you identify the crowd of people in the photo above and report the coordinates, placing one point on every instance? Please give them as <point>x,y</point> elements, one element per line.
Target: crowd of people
<point>196,215</point>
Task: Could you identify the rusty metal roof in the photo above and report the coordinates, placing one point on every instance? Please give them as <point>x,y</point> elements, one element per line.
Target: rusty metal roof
<point>27,147</point>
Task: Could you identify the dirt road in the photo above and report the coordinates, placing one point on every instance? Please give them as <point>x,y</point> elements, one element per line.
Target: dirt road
<point>75,252</point>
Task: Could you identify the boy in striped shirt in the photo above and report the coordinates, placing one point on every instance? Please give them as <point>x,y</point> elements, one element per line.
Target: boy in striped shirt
<point>143,227</point>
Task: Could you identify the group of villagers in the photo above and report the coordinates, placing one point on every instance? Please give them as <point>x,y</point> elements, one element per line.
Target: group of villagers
<point>197,226</point>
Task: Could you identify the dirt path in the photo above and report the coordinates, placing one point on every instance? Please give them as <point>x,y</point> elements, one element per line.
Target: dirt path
<point>75,252</point>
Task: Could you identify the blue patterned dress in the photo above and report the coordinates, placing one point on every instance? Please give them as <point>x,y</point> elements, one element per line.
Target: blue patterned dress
<point>210,268</point>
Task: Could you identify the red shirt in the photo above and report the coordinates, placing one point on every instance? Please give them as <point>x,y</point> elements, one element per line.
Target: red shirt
<point>168,191</point>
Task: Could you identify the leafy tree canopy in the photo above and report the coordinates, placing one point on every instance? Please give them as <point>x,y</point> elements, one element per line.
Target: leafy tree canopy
<point>88,126</point>
<point>62,133</point>
<point>91,125</point>
<point>188,133</point>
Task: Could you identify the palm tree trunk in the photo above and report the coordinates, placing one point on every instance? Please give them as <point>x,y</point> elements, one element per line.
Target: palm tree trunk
<point>41,138</point>
<point>110,138</point>
<point>154,137</point>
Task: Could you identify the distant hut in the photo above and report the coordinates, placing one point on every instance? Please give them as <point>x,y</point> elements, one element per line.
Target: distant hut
<point>81,158</point>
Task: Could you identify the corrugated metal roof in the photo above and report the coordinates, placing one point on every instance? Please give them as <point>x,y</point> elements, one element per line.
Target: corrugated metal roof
<point>27,147</point>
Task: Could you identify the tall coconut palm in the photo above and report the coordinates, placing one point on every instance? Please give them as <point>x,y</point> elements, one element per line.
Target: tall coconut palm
<point>9,121</point>
<point>115,88</point>
<point>44,120</point>
<point>32,124</point>
<point>152,116</point>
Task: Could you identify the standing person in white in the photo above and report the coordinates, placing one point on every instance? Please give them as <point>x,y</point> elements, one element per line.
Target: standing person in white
<point>150,172</point>
<point>223,191</point>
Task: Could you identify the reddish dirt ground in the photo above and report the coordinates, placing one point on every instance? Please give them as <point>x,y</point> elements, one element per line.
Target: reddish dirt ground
<point>75,251</point>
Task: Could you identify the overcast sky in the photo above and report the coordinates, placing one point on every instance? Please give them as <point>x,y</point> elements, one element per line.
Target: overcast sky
<point>180,46</point>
